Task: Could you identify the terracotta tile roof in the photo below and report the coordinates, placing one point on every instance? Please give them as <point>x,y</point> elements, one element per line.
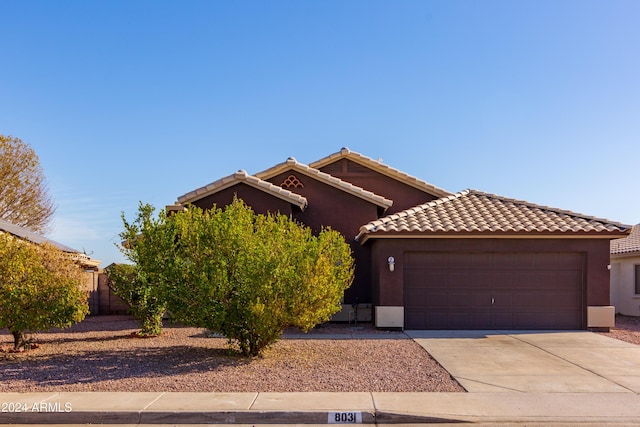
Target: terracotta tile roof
<point>243,177</point>
<point>380,167</point>
<point>38,239</point>
<point>475,212</point>
<point>629,244</point>
<point>293,164</point>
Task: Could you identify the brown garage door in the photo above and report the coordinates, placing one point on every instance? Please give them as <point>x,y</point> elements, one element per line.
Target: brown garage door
<point>493,290</point>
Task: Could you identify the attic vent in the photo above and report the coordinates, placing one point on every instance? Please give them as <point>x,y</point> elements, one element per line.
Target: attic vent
<point>291,182</point>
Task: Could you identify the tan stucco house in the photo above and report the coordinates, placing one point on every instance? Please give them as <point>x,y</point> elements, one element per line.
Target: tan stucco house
<point>625,273</point>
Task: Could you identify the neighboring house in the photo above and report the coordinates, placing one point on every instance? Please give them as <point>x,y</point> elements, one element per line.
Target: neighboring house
<point>625,273</point>
<point>429,259</point>
<point>89,264</point>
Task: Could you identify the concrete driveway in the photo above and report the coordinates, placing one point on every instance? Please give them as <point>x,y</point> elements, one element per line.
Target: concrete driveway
<point>535,361</point>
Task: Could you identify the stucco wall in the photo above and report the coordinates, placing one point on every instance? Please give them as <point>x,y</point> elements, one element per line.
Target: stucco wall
<point>623,295</point>
<point>404,196</point>
<point>260,201</point>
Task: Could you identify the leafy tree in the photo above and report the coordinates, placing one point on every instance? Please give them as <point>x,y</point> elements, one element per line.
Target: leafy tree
<point>130,283</point>
<point>39,289</point>
<point>244,275</point>
<point>24,198</point>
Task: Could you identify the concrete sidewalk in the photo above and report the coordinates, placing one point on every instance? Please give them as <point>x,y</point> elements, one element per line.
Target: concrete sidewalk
<point>319,408</point>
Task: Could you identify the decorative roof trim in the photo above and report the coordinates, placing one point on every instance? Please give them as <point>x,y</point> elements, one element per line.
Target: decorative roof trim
<point>371,229</point>
<point>380,167</point>
<point>292,163</point>
<point>242,176</point>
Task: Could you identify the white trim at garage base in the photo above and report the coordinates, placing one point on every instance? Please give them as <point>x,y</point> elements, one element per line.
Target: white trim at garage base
<point>390,317</point>
<point>393,316</point>
<point>601,317</point>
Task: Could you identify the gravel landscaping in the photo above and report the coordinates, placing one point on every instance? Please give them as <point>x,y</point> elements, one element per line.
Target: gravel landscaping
<point>627,329</point>
<point>99,354</point>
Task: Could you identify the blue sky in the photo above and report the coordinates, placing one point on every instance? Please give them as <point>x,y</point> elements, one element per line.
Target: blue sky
<point>128,101</point>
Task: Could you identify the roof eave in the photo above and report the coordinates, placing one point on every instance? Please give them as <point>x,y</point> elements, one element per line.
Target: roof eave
<point>364,236</point>
<point>626,254</point>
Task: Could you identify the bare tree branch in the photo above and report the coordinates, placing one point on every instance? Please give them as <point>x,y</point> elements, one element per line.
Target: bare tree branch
<point>24,196</point>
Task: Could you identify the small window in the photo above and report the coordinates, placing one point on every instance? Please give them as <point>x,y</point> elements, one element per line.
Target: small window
<point>637,267</point>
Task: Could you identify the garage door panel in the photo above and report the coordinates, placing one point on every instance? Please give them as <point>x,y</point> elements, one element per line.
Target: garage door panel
<point>426,260</point>
<point>416,317</point>
<point>483,279</point>
<point>504,279</point>
<point>415,276</point>
<point>502,299</point>
<point>524,319</point>
<point>560,261</point>
<point>504,320</point>
<point>495,290</point>
<point>436,279</point>
<point>437,320</point>
<point>459,279</point>
<point>563,300</point>
<point>527,300</point>
<point>433,300</point>
<point>564,279</point>
<point>458,298</point>
<point>481,298</point>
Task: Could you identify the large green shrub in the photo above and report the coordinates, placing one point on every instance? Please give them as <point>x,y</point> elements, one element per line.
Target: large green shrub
<point>40,288</point>
<point>244,275</point>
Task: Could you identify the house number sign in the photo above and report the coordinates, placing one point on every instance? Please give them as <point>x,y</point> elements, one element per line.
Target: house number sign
<point>345,418</point>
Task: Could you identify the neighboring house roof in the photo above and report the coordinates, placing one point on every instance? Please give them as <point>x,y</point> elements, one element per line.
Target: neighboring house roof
<point>629,244</point>
<point>243,177</point>
<point>293,164</point>
<point>475,212</point>
<point>36,238</point>
<point>380,167</point>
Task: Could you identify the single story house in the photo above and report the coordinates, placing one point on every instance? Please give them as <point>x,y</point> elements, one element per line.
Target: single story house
<point>427,258</point>
<point>625,273</point>
<point>90,265</point>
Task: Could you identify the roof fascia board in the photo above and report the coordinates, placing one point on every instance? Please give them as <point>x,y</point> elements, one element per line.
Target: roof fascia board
<point>362,238</point>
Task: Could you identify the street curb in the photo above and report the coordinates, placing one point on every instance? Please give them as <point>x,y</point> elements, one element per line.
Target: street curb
<point>213,417</point>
